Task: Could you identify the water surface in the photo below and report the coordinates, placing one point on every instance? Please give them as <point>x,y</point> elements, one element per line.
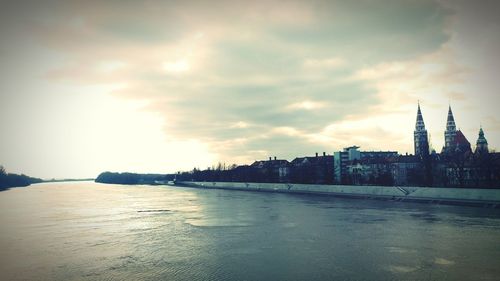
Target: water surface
<point>89,231</point>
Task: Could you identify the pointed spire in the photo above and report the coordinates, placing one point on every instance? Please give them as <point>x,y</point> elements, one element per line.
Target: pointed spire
<point>420,125</point>
<point>450,115</point>
<point>419,113</point>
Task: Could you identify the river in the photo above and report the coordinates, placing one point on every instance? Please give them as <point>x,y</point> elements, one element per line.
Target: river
<point>90,231</point>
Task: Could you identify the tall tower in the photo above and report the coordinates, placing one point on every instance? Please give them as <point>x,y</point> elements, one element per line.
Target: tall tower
<point>421,142</point>
<point>450,133</point>
<point>482,143</point>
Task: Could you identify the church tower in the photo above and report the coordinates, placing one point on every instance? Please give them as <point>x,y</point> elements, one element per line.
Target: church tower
<point>421,142</point>
<point>482,143</point>
<point>450,133</point>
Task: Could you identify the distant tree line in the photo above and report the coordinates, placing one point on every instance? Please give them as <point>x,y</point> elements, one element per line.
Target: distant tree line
<point>306,170</point>
<point>8,180</point>
<point>220,172</point>
<point>132,178</point>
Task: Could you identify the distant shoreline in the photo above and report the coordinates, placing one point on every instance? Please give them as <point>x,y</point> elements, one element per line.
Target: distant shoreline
<point>68,180</point>
<point>9,180</point>
<point>133,178</point>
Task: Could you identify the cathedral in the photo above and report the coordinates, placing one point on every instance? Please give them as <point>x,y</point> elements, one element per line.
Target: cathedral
<point>455,141</point>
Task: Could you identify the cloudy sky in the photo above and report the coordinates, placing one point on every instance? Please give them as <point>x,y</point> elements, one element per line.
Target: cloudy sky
<point>161,86</point>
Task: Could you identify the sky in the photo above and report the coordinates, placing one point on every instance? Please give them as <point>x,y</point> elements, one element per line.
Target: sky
<point>162,86</point>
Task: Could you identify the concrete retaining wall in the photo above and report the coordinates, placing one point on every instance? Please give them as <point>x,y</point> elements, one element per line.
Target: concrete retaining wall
<point>462,196</point>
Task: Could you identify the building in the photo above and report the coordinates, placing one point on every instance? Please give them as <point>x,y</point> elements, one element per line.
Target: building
<point>341,159</point>
<point>273,170</point>
<point>420,138</point>
<point>312,169</point>
<point>404,169</point>
<point>361,163</point>
<point>370,171</point>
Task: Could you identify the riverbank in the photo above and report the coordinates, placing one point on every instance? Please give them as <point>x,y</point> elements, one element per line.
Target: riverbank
<point>453,196</point>
<point>9,180</point>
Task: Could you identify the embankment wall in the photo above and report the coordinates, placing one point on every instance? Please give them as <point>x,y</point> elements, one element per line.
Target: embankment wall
<point>460,196</point>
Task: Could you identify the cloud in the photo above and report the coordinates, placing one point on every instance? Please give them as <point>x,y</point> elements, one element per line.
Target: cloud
<point>247,79</point>
<point>306,105</point>
<point>324,63</point>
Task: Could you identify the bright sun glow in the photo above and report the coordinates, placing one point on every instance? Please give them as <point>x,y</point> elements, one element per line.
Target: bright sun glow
<point>178,66</point>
